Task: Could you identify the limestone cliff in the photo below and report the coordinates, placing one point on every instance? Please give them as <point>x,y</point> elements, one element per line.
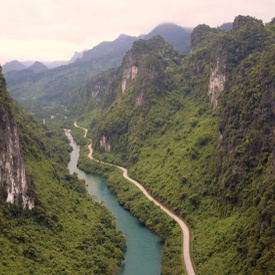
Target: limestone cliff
<point>217,78</point>
<point>129,71</point>
<point>103,143</point>
<point>12,166</point>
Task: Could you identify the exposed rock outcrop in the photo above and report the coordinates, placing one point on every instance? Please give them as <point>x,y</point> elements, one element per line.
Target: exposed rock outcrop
<point>129,73</point>
<point>217,79</point>
<point>96,91</point>
<point>139,99</point>
<point>103,143</point>
<point>12,166</point>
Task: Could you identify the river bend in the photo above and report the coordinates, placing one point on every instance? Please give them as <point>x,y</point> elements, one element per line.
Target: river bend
<point>143,255</point>
<point>186,238</point>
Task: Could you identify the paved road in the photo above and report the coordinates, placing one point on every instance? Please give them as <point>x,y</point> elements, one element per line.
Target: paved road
<point>185,230</point>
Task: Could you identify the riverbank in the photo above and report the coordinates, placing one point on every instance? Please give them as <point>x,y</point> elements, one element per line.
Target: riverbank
<point>115,182</point>
<point>143,246</point>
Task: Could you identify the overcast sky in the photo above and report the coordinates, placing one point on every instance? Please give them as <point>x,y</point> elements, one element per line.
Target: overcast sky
<point>49,30</point>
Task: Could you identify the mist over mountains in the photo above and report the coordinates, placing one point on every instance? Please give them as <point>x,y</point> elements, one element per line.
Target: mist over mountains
<point>13,66</point>
<point>175,35</point>
<point>30,84</point>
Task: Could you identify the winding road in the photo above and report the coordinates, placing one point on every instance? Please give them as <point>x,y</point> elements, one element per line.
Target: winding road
<point>186,240</point>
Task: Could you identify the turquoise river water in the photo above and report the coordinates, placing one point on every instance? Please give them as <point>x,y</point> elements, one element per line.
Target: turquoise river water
<point>143,255</point>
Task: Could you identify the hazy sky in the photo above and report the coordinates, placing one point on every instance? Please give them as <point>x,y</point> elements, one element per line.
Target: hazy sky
<point>48,30</point>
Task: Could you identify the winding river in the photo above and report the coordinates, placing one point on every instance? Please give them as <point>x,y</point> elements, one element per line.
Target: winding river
<point>186,232</point>
<point>143,255</point>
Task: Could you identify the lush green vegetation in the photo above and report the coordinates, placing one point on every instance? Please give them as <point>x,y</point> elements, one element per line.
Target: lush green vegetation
<point>67,232</point>
<point>6,103</point>
<point>130,197</point>
<point>53,90</point>
<point>48,92</point>
<point>213,167</point>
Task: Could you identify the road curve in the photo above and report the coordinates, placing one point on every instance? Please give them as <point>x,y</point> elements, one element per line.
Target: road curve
<point>84,129</point>
<point>186,240</point>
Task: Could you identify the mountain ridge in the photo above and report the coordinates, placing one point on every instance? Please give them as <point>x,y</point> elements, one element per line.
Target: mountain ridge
<point>13,66</point>
<point>38,67</point>
<point>196,131</point>
<point>174,34</point>
<point>32,90</point>
<point>161,29</point>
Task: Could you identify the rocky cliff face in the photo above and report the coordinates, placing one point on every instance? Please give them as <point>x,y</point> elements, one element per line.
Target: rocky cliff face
<point>103,143</point>
<point>217,78</point>
<point>129,72</point>
<point>12,167</point>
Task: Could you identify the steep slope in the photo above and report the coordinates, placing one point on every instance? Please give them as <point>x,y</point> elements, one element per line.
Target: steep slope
<point>245,161</point>
<point>13,180</point>
<point>132,88</point>
<point>66,231</point>
<point>76,56</point>
<point>198,133</point>
<point>142,82</point>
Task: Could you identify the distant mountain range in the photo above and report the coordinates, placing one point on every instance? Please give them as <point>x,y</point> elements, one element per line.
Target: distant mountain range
<point>113,51</point>
<point>30,83</point>
<point>175,35</point>
<point>35,67</point>
<point>38,67</point>
<point>13,66</point>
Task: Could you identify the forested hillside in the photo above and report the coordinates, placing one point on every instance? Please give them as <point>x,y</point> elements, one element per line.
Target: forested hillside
<point>66,231</point>
<point>49,91</point>
<point>198,132</point>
